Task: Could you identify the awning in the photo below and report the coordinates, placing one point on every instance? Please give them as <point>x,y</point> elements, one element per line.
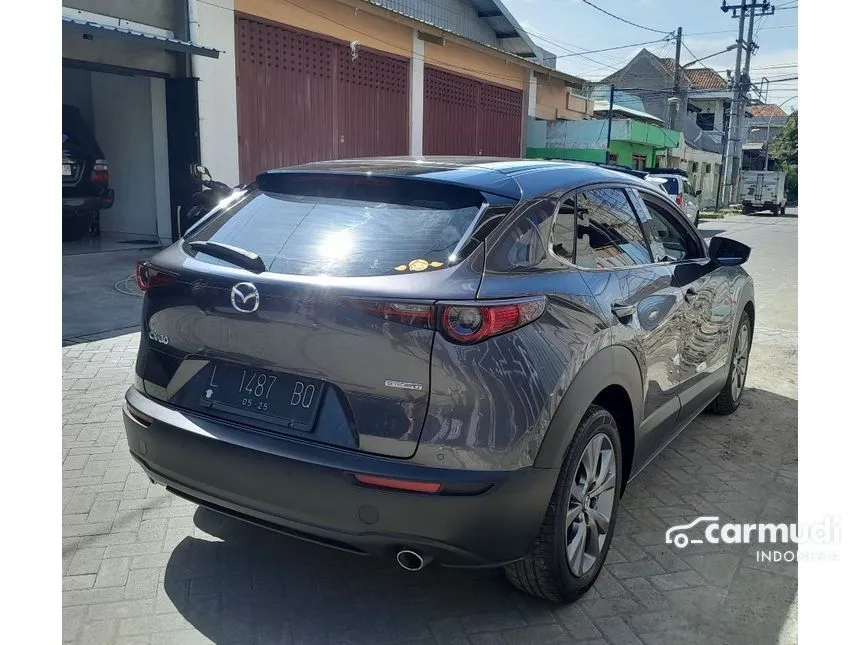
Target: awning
<point>603,106</point>
<point>130,35</point>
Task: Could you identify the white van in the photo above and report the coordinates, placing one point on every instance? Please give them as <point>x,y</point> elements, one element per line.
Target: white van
<point>763,190</point>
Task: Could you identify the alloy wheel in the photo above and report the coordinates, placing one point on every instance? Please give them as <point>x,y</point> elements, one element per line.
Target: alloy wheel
<point>590,504</point>
<point>739,364</point>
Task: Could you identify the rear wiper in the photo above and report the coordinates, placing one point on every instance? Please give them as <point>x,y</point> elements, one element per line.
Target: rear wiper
<point>232,254</point>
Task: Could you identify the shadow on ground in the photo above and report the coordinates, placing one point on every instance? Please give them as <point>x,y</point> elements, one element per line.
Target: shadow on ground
<point>706,231</point>
<point>100,297</point>
<point>237,583</point>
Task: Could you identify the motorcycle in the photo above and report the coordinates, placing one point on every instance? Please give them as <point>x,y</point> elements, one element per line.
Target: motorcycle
<point>209,195</point>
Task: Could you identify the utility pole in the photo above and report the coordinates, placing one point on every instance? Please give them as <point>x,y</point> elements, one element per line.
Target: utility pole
<point>734,152</point>
<point>676,83</point>
<point>609,129</point>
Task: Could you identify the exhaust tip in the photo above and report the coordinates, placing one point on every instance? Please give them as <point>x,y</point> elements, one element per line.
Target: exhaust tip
<point>410,560</point>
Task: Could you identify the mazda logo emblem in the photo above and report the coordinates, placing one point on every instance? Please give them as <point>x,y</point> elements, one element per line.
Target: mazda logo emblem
<point>245,298</point>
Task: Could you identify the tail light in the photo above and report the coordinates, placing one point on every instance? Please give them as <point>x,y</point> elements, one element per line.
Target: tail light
<point>461,322</point>
<point>148,276</point>
<point>474,322</point>
<point>100,174</point>
<point>679,199</point>
<point>414,314</point>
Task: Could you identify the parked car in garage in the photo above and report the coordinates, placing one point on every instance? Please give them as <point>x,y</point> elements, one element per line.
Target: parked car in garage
<point>86,179</point>
<point>438,360</point>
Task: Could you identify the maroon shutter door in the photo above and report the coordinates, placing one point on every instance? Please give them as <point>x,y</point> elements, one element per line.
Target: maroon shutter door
<point>463,116</point>
<point>301,98</point>
<point>373,104</point>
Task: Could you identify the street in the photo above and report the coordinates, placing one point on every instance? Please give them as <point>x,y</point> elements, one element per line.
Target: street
<point>142,566</point>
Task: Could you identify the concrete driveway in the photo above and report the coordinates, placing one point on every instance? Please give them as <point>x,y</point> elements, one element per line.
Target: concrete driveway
<point>142,566</point>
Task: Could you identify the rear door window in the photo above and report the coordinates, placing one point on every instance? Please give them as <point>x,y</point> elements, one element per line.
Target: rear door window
<point>608,233</point>
<point>347,226</point>
<point>670,241</point>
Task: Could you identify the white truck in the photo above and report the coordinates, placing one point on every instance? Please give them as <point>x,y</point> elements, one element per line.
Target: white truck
<point>763,190</point>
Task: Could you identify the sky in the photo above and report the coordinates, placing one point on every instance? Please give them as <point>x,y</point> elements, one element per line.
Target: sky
<point>566,26</point>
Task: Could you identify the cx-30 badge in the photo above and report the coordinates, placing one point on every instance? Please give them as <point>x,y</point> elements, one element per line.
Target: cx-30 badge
<point>245,298</point>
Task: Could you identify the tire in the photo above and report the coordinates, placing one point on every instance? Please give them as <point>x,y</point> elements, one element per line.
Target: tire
<point>729,398</point>
<point>546,572</point>
<point>782,210</point>
<point>775,210</point>
<point>95,226</point>
<point>696,221</point>
<point>746,210</point>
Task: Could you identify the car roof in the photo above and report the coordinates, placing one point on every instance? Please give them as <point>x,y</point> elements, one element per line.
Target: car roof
<point>507,177</point>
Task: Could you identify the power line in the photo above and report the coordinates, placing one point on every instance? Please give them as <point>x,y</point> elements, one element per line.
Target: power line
<point>624,20</point>
<point>731,31</point>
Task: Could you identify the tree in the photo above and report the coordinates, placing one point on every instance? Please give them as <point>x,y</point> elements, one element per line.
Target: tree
<point>783,147</point>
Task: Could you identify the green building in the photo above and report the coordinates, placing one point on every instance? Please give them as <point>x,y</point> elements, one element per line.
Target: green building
<point>633,143</point>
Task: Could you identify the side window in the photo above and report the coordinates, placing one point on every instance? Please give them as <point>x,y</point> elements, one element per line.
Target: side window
<point>607,231</point>
<point>669,241</point>
<point>562,230</point>
<point>688,188</point>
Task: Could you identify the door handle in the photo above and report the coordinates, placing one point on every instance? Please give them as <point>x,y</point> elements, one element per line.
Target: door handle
<point>622,310</point>
<point>690,295</point>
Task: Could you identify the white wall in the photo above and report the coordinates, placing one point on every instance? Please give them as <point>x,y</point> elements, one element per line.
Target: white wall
<point>161,169</point>
<point>219,133</point>
<point>124,120</point>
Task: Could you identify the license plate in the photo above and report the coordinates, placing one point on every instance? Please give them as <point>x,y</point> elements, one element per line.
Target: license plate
<point>274,397</point>
<point>67,170</point>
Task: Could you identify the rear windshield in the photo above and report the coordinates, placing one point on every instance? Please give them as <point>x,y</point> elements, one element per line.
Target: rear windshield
<point>672,185</point>
<point>346,226</point>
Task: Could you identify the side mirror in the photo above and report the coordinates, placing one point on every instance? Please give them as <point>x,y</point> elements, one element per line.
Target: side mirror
<point>200,172</point>
<point>698,193</point>
<point>727,252</point>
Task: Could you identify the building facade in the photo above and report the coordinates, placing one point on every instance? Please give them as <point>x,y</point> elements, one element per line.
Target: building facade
<point>242,86</point>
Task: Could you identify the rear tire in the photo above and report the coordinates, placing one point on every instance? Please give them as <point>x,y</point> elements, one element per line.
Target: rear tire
<point>782,210</point>
<point>696,221</point>
<point>746,210</point>
<point>730,397</point>
<point>570,549</point>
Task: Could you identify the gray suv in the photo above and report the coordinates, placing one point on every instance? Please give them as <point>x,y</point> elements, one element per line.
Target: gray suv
<point>435,360</point>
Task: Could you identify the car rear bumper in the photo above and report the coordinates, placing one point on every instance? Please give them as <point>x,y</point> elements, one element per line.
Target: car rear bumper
<point>73,205</point>
<point>308,490</point>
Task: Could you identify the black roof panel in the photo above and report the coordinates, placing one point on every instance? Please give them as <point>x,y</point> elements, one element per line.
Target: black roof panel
<point>512,178</point>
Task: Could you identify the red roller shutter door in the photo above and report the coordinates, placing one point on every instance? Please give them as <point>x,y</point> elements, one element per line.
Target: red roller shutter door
<point>464,116</point>
<point>302,98</point>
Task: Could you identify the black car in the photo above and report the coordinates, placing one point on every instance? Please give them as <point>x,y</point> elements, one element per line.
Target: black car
<point>86,179</point>
<point>453,360</point>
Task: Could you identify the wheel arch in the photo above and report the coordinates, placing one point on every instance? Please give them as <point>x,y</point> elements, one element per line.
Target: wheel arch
<point>612,378</point>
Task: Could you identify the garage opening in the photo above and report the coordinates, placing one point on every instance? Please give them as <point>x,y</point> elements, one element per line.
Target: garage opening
<point>116,184</point>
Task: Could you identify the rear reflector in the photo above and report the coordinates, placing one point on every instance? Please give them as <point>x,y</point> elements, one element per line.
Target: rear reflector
<point>679,199</point>
<point>398,484</point>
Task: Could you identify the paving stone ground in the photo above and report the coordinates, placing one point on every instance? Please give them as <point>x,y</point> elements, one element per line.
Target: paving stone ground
<point>142,566</point>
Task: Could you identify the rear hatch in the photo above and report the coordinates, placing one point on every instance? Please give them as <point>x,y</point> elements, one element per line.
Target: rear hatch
<point>325,331</point>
